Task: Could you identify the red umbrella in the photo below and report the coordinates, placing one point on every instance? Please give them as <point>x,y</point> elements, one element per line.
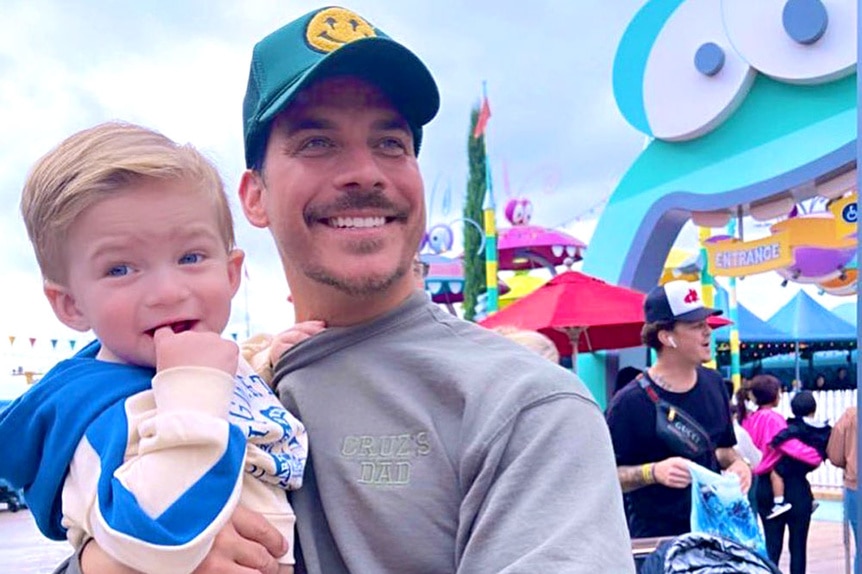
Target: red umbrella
<point>574,306</point>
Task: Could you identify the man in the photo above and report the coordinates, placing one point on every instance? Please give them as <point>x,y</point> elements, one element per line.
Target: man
<point>652,461</point>
<point>435,445</point>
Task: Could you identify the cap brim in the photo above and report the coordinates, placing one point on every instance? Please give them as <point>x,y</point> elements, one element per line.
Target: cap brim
<point>698,315</point>
<point>397,71</point>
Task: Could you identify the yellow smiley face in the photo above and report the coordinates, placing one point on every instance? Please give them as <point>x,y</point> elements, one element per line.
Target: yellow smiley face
<point>332,28</point>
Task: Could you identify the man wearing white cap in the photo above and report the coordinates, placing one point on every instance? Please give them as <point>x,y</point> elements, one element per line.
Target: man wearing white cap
<point>678,411</point>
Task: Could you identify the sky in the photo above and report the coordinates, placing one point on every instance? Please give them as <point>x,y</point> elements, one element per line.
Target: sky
<point>555,134</point>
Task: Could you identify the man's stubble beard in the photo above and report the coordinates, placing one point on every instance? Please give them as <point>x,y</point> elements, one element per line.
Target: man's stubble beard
<point>363,286</point>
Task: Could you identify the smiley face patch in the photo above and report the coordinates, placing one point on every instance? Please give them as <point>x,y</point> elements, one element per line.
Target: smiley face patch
<point>332,28</point>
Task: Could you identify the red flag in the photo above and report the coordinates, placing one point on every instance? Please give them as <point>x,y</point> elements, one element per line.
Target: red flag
<point>482,121</point>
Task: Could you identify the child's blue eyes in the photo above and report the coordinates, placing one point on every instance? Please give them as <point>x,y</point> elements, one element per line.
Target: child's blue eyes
<point>124,269</point>
<point>118,271</point>
<point>191,258</point>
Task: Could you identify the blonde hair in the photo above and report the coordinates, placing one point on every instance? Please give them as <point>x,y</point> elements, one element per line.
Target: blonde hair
<point>94,163</point>
<point>532,340</point>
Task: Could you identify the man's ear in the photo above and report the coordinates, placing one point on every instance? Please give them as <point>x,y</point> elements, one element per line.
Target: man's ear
<point>665,338</point>
<point>251,191</point>
<point>234,269</point>
<point>65,307</point>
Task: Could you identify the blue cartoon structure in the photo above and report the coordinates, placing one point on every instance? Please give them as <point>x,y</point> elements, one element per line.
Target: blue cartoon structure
<point>750,107</point>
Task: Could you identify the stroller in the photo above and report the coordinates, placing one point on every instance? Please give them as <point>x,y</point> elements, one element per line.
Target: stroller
<point>705,554</point>
<point>13,498</point>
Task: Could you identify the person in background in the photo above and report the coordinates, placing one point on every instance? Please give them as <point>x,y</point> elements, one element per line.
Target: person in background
<point>842,451</point>
<point>842,379</point>
<point>820,383</point>
<point>624,377</point>
<point>420,272</point>
<point>533,340</point>
<point>766,395</point>
<point>744,445</point>
<point>803,426</point>
<point>763,425</point>
<point>653,471</point>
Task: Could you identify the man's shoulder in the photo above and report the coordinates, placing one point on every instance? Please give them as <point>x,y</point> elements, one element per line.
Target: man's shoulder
<point>484,358</point>
<point>709,376</point>
<point>710,382</point>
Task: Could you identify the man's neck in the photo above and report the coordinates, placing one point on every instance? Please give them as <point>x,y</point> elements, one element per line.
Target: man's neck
<point>338,309</point>
<point>675,376</point>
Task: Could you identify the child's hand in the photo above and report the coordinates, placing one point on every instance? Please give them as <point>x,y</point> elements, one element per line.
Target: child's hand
<point>193,349</point>
<point>296,334</point>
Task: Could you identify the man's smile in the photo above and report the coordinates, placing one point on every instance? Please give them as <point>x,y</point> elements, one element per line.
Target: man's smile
<point>357,222</point>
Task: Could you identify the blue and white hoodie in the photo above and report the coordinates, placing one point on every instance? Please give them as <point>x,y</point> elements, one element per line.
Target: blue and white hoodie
<point>150,465</point>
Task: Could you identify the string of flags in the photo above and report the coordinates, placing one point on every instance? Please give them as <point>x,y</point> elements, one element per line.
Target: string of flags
<point>64,344</point>
<point>72,343</point>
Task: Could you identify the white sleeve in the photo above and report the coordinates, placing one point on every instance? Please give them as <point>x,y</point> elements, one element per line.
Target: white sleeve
<point>156,500</point>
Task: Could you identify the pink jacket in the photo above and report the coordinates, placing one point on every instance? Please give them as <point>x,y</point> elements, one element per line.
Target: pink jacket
<point>763,425</point>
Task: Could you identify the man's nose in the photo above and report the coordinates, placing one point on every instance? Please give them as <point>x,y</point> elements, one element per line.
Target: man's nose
<point>360,169</point>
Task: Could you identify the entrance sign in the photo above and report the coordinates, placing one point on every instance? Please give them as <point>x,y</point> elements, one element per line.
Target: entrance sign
<point>735,258</point>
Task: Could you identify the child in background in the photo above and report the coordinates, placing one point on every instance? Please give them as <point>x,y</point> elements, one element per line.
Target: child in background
<point>804,427</point>
<point>766,391</point>
<point>744,445</point>
<point>158,429</point>
<point>763,425</point>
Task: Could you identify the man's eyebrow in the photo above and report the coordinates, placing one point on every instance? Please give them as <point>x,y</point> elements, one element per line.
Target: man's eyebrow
<point>396,123</point>
<point>292,127</point>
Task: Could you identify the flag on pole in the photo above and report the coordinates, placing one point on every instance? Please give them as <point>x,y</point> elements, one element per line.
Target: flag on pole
<point>482,121</point>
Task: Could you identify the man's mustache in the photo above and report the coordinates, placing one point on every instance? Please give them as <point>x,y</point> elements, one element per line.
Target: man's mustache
<point>355,200</point>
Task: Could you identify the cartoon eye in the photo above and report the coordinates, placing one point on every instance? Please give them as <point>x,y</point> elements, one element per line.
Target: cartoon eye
<point>528,211</point>
<point>440,238</point>
<point>795,41</point>
<point>518,214</point>
<point>689,80</point>
<point>510,210</point>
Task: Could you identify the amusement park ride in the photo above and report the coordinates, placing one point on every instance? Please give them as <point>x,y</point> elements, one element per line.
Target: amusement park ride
<point>521,247</point>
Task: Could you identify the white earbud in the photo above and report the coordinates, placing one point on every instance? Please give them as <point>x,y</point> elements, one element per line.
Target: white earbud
<point>672,342</point>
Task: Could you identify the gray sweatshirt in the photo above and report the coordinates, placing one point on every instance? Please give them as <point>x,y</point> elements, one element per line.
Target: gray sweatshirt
<point>439,446</point>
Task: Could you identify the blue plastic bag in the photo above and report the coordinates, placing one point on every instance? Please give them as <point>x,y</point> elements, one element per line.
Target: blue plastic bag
<point>718,507</point>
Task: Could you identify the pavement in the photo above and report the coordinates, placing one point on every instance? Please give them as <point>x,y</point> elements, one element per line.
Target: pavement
<point>23,549</point>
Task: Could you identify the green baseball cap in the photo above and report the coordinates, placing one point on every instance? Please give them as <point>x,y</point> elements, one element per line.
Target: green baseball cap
<point>332,42</point>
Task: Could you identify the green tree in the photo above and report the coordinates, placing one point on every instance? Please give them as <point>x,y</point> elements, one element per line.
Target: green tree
<point>474,261</point>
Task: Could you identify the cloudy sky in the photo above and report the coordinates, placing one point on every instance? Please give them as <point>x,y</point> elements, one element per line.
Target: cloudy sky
<point>181,67</point>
